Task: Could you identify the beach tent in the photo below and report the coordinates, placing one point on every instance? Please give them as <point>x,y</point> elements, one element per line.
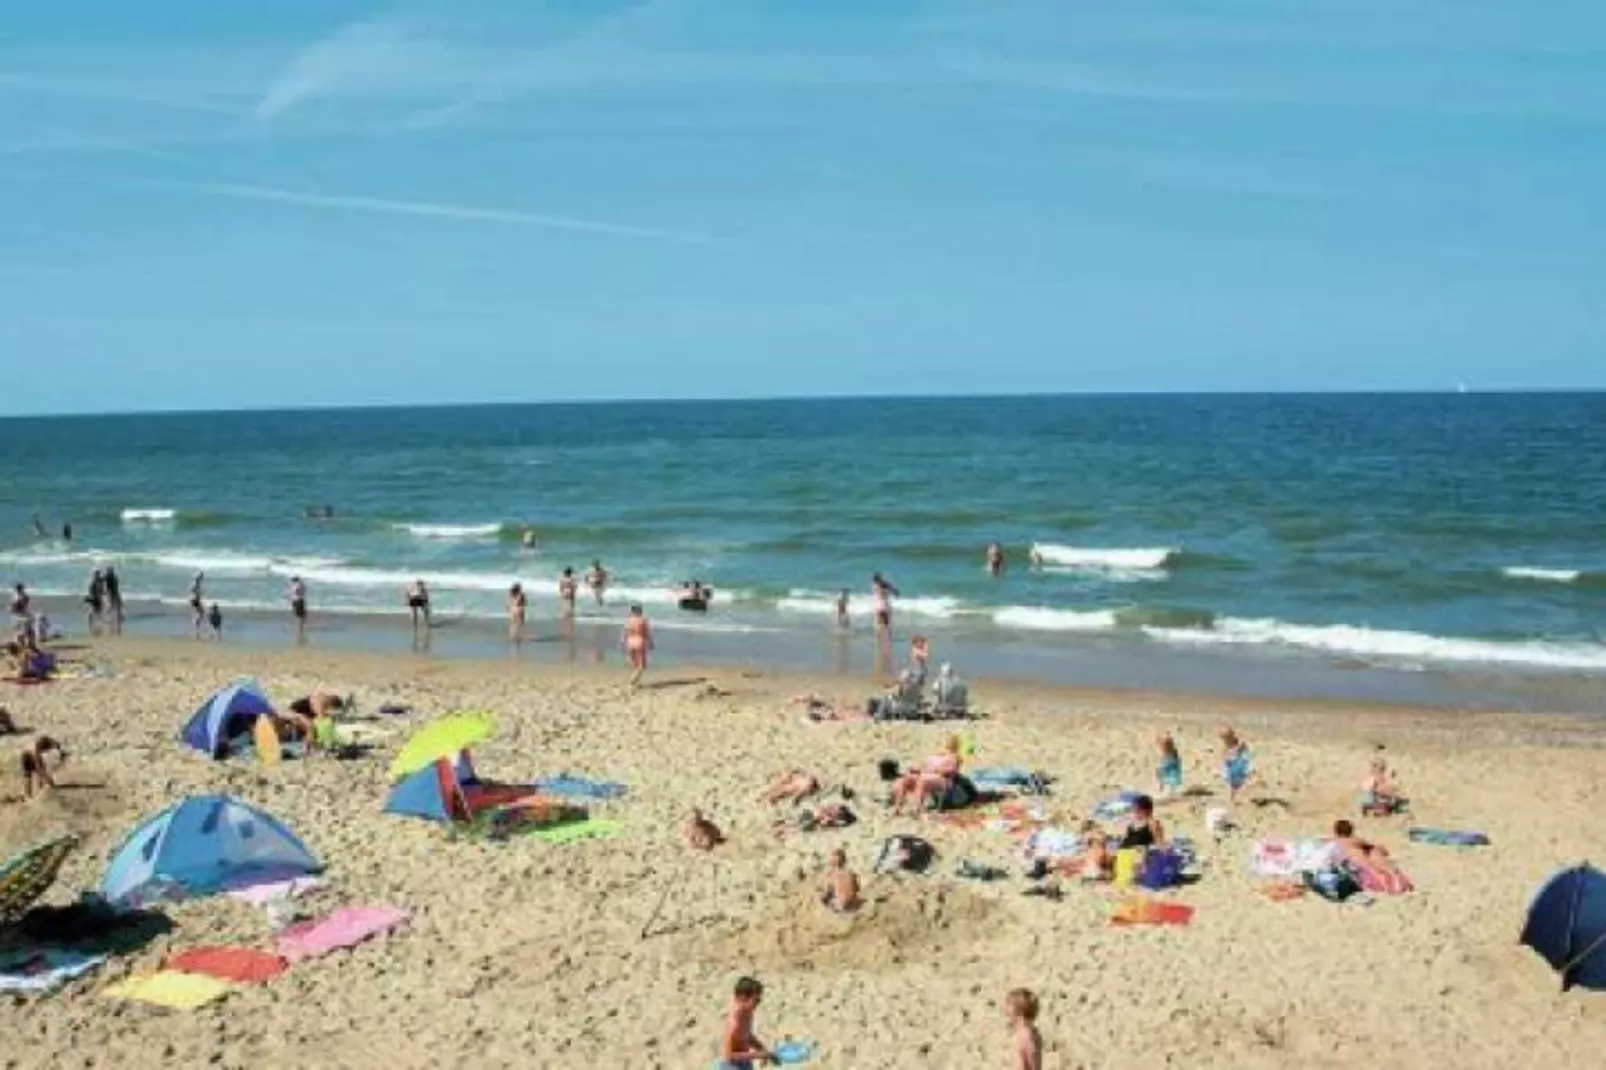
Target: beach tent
<point>230,712</point>
<point>1567,926</point>
<point>201,845</point>
<point>435,792</point>
<point>435,777</point>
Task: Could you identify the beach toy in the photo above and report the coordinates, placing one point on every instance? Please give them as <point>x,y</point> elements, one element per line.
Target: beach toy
<point>792,1052</point>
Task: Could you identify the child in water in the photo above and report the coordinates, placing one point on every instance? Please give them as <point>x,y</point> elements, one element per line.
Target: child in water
<point>1169,771</point>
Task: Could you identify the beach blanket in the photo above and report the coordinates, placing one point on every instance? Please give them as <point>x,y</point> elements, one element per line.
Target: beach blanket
<point>590,829</point>
<point>1448,837</point>
<point>244,965</point>
<point>1140,911</point>
<point>1116,807</point>
<point>170,989</point>
<point>1288,858</point>
<point>42,970</point>
<point>260,895</point>
<point>578,787</point>
<point>29,873</point>
<point>346,927</point>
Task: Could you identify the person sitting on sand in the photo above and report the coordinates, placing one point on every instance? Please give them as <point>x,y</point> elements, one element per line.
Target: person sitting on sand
<point>1021,1006</point>
<point>1235,765</point>
<point>312,717</point>
<point>934,779</point>
<point>36,776</point>
<point>739,1048</point>
<point>8,725</point>
<point>1350,848</point>
<point>1144,830</point>
<point>841,884</point>
<point>701,833</point>
<point>1379,796</point>
<point>1169,772</point>
<point>1098,863</point>
<point>791,786</point>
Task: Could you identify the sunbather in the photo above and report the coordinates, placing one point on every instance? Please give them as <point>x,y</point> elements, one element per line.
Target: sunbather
<point>1144,829</point>
<point>951,692</point>
<point>1380,797</point>
<point>307,715</point>
<point>841,884</point>
<point>932,781</point>
<point>790,786</point>
<point>816,708</point>
<point>701,833</point>
<point>1351,848</point>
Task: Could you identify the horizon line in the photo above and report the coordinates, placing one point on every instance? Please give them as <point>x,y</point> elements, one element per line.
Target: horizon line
<point>771,399</point>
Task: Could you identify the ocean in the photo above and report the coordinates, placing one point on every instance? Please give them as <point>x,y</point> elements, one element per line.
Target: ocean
<point>1457,536</point>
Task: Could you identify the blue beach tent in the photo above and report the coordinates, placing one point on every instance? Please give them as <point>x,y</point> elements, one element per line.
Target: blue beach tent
<point>1567,926</point>
<point>435,792</point>
<point>199,846</point>
<point>229,713</point>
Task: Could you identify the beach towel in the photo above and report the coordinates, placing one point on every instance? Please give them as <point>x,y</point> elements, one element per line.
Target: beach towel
<point>243,965</point>
<point>1010,777</point>
<point>1288,858</point>
<point>43,970</point>
<point>346,927</point>
<point>1140,911</point>
<point>169,988</point>
<point>1380,881</point>
<point>1281,891</point>
<point>577,787</point>
<point>1448,837</point>
<point>590,829</point>
<point>260,895</point>
<point>29,873</point>
<point>1116,807</point>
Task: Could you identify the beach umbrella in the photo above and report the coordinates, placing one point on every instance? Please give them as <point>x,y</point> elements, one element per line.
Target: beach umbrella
<point>441,739</point>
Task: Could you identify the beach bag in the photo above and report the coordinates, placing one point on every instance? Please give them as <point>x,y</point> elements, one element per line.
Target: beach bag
<point>1161,869</point>
<point>1128,863</point>
<point>889,770</point>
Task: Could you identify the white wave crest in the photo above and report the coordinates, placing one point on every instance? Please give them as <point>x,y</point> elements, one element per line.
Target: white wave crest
<point>1411,647</point>
<point>1097,559</point>
<point>1039,619</point>
<point>1543,575</point>
<point>226,561</point>
<point>149,516</point>
<point>451,531</point>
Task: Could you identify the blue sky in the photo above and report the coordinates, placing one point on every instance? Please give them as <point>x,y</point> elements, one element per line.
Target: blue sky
<point>222,205</point>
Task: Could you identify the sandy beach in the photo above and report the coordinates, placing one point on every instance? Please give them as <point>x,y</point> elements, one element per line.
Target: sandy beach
<point>525,954</point>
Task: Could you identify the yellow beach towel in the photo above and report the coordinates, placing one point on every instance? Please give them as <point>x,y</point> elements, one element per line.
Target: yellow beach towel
<point>170,988</point>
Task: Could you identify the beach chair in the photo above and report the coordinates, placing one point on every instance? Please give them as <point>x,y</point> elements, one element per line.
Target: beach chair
<point>952,696</point>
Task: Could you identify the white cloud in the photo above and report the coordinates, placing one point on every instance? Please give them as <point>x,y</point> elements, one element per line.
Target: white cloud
<point>360,58</point>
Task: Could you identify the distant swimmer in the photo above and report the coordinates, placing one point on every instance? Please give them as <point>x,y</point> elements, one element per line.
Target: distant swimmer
<point>637,642</point>
<point>597,580</point>
<point>66,533</point>
<point>298,607</point>
<point>567,588</point>
<point>418,605</point>
<point>319,512</point>
<point>1037,558</point>
<point>528,539</point>
<point>844,619</point>
<point>882,593</point>
<point>39,527</point>
<point>516,606</point>
<point>995,559</point>
<point>695,596</point>
<point>198,602</point>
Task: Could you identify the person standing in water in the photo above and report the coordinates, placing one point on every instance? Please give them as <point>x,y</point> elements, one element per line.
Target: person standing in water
<point>844,619</point>
<point>881,594</point>
<point>637,641</point>
<point>298,607</point>
<point>112,589</point>
<point>995,560</point>
<point>597,580</point>
<point>418,606</point>
<point>39,527</point>
<point>567,588</point>
<point>66,533</point>
<point>516,606</point>
<point>95,601</point>
<point>198,602</point>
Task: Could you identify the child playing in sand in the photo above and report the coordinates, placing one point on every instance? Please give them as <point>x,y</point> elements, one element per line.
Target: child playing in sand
<point>1021,1005</point>
<point>1169,771</point>
<point>1234,761</point>
<point>739,1049</point>
<point>841,884</point>
<point>1379,796</point>
<point>36,778</point>
<point>701,833</point>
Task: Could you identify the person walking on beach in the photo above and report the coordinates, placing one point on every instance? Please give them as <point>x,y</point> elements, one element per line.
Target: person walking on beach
<point>597,580</point>
<point>995,560</point>
<point>298,607</point>
<point>516,605</point>
<point>198,602</point>
<point>1021,1006</point>
<point>739,1047</point>
<point>567,588</point>
<point>637,641</point>
<point>418,606</point>
<point>112,591</point>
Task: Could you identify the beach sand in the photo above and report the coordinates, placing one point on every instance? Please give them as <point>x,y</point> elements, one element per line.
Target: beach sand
<point>530,955</point>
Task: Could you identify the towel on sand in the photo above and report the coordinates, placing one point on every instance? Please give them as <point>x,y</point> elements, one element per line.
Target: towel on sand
<point>1288,858</point>
<point>346,927</point>
<point>579,787</point>
<point>245,965</point>
<point>259,895</point>
<point>1140,911</point>
<point>1448,837</point>
<point>590,829</point>
<point>43,969</point>
<point>169,988</point>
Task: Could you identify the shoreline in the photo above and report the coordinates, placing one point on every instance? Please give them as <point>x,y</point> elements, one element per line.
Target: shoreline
<point>1098,664</point>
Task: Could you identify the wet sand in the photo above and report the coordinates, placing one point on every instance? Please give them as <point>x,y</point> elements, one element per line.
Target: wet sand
<point>525,954</point>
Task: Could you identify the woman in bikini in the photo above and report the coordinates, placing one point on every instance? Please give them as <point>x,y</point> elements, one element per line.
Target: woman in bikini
<point>637,641</point>
<point>597,580</point>
<point>516,605</point>
<point>567,588</point>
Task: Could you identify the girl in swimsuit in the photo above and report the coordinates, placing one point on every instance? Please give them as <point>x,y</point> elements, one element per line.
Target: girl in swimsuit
<point>882,594</point>
<point>418,604</point>
<point>516,604</point>
<point>637,641</point>
<point>566,592</point>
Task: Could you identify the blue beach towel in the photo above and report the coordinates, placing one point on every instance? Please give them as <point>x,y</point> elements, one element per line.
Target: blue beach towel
<point>577,787</point>
<point>1448,837</point>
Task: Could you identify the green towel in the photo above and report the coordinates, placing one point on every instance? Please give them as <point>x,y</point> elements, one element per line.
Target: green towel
<point>591,829</point>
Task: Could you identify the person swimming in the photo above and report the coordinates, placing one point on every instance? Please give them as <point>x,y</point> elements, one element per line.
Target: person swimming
<point>995,560</point>
<point>695,596</point>
<point>597,580</point>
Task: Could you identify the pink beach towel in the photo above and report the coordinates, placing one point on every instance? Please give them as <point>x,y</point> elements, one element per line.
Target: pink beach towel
<point>1382,881</point>
<point>346,927</point>
<point>259,895</point>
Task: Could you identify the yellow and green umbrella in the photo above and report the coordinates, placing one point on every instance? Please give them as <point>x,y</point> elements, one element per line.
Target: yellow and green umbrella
<point>441,739</point>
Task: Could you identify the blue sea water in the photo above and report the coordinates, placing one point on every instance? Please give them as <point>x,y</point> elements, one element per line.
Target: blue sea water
<point>1426,532</point>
